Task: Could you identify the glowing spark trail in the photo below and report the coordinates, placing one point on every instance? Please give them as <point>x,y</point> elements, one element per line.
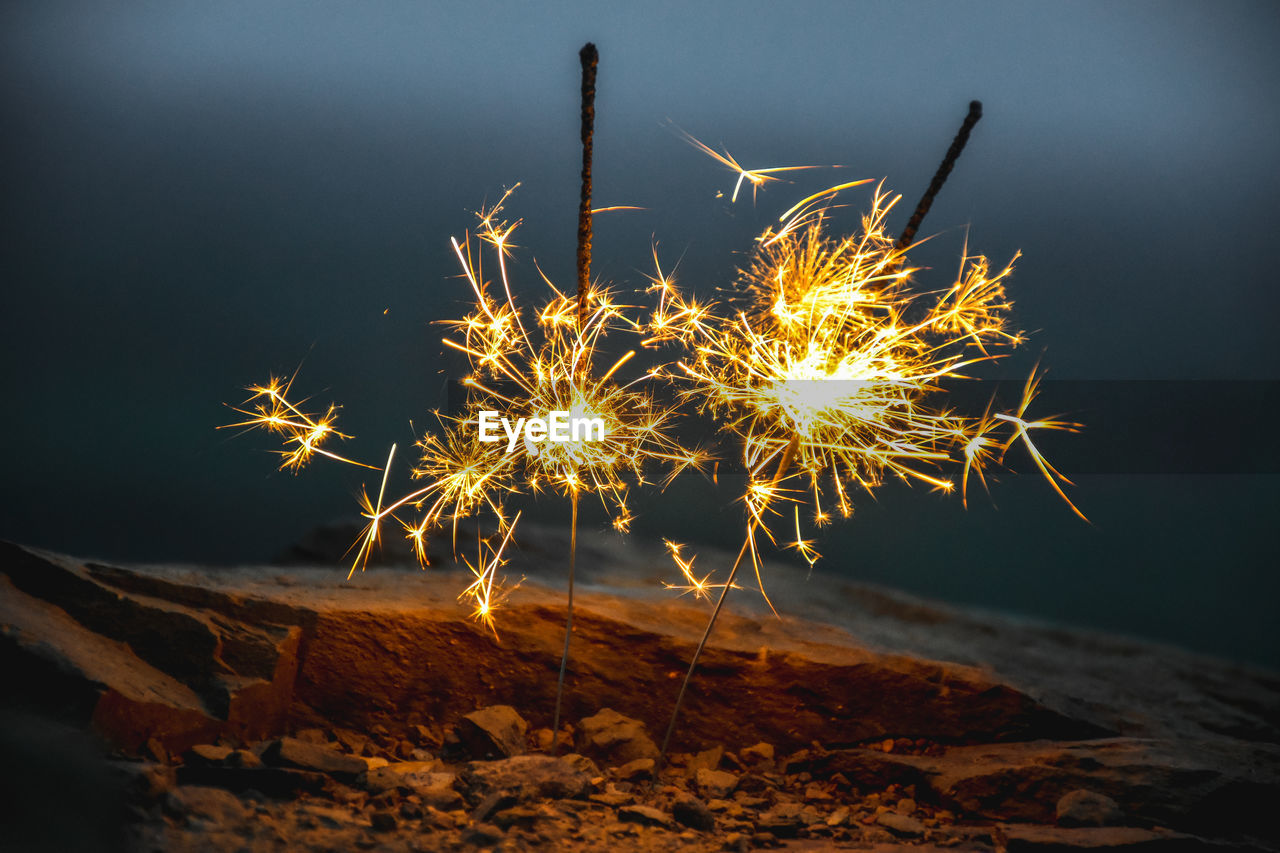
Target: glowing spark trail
<point>756,177</point>
<point>304,433</point>
<point>481,592</point>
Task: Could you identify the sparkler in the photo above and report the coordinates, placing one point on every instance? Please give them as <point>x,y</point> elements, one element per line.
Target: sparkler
<point>513,370</point>
<point>536,376</point>
<point>826,366</point>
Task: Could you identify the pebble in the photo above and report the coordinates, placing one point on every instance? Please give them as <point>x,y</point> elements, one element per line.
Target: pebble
<point>483,835</point>
<point>715,784</point>
<point>761,753</point>
<point>641,768</point>
<point>291,752</point>
<point>243,758</point>
<point>900,824</point>
<point>205,753</point>
<point>497,731</point>
<point>694,814</point>
<point>1087,808</point>
<point>645,815</point>
<point>614,738</point>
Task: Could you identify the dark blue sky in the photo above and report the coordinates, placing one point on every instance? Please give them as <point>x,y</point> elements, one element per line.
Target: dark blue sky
<point>199,194</point>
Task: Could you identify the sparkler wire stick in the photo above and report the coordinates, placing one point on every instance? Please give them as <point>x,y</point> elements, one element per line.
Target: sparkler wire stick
<point>568,626</point>
<point>825,370</point>
<point>940,177</point>
<point>783,464</point>
<point>589,58</point>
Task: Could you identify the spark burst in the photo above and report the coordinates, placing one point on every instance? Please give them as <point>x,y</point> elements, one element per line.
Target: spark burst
<point>515,371</point>
<point>826,367</point>
<point>528,368</point>
<point>270,409</point>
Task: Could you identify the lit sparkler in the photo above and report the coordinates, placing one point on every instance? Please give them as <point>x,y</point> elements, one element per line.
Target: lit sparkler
<point>514,372</point>
<point>530,369</point>
<point>827,368</point>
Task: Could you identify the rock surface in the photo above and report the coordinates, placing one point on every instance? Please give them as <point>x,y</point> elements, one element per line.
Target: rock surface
<point>257,707</point>
<point>1085,808</point>
<point>614,738</point>
<point>694,814</point>
<point>494,732</point>
<point>525,777</point>
<point>140,666</point>
<point>714,784</point>
<point>292,752</point>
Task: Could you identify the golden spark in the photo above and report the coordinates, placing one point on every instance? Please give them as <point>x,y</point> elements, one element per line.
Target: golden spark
<point>525,370</point>
<point>826,366</point>
<point>755,177</point>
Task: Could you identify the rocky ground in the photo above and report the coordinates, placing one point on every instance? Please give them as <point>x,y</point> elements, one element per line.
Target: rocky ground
<point>272,708</point>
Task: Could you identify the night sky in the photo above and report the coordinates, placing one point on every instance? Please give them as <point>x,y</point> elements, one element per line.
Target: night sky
<point>198,195</point>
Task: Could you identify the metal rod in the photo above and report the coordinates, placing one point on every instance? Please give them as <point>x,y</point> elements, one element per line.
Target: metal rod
<point>783,464</point>
<point>568,626</point>
<point>940,177</point>
<point>590,58</point>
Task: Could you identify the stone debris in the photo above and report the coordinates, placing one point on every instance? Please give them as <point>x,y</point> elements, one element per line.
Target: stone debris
<point>581,763</point>
<point>693,813</point>
<point>246,714</point>
<point>714,784</point>
<point>271,781</point>
<point>614,739</point>
<point>307,755</point>
<point>212,804</point>
<point>1086,808</point>
<point>901,825</point>
<point>759,754</point>
<point>482,835</point>
<point>205,753</point>
<point>525,777</point>
<point>708,758</point>
<point>494,732</point>
<point>633,771</point>
<point>406,775</point>
<point>538,801</point>
<point>646,815</point>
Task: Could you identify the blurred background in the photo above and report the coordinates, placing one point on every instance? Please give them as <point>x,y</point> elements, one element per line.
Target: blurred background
<point>200,195</point>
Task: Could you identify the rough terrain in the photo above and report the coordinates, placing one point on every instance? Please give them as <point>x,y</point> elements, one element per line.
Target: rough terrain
<point>287,707</point>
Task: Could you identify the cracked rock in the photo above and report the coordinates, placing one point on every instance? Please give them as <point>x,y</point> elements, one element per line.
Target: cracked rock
<point>614,739</point>
<point>494,732</point>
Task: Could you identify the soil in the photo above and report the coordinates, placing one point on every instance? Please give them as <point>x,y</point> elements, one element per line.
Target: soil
<point>287,707</point>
